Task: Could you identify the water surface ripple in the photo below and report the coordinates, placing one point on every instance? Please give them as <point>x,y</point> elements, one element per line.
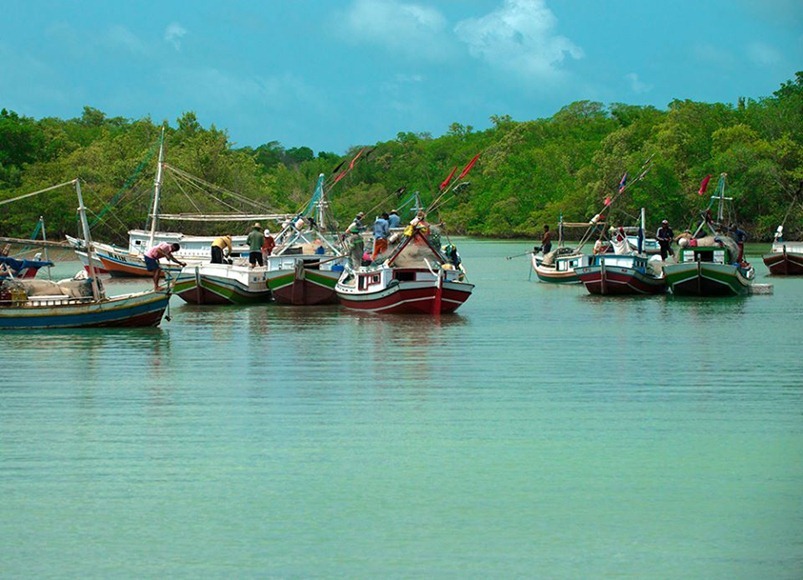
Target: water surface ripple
<point>539,432</point>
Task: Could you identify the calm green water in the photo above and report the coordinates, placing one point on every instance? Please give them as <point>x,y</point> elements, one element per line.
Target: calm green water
<point>540,432</point>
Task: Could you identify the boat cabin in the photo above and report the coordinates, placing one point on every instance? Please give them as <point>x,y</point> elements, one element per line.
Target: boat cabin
<point>713,254</point>
<point>569,263</point>
<point>630,261</point>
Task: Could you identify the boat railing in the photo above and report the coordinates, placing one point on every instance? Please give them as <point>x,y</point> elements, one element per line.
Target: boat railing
<point>793,247</point>
<point>45,301</point>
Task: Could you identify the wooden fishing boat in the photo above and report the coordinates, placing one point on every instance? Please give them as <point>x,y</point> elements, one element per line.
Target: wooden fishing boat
<point>785,259</point>
<point>306,265</point>
<point>415,275</point>
<point>39,304</point>
<point>207,283</point>
<point>710,265</point>
<point>709,269</point>
<point>559,266</point>
<point>20,309</point>
<point>614,274</point>
<point>626,271</point>
<point>417,278</point>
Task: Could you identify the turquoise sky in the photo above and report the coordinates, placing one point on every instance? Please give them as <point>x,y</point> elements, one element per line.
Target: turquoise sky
<point>334,74</point>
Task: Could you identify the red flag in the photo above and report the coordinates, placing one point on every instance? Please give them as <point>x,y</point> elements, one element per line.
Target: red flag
<point>704,184</point>
<point>351,165</point>
<point>468,167</point>
<point>343,173</point>
<point>607,200</point>
<point>448,179</point>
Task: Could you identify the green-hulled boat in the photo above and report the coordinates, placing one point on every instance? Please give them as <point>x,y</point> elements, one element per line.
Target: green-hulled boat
<point>710,265</point>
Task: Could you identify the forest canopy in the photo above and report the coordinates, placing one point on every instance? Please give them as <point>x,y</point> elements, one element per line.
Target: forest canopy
<point>529,173</point>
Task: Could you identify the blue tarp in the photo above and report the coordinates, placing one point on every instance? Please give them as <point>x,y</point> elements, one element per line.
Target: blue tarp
<point>17,266</point>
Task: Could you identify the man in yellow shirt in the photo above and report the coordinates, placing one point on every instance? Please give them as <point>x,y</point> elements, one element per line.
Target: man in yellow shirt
<point>218,246</point>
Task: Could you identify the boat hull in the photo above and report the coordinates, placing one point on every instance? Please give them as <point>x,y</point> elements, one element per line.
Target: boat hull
<point>561,270</point>
<point>784,262</point>
<point>221,284</point>
<point>304,287</point>
<point>120,265</point>
<point>552,276</point>
<point>619,281</point>
<point>133,310</point>
<point>706,279</point>
<point>83,257</point>
<point>410,298</point>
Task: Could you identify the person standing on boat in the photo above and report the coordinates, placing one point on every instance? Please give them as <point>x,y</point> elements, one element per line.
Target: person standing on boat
<point>355,242</point>
<point>381,233</point>
<point>218,246</point>
<point>268,244</point>
<point>358,222</point>
<point>740,236</point>
<point>665,235</point>
<point>255,240</point>
<point>546,241</point>
<point>159,251</point>
<point>393,219</point>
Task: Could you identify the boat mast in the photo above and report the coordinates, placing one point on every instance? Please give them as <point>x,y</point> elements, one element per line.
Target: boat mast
<point>642,229</point>
<point>320,217</point>
<point>721,208</point>
<point>157,189</point>
<point>96,293</point>
<point>44,239</point>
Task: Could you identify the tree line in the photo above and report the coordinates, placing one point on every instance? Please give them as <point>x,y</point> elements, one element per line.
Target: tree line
<point>529,173</point>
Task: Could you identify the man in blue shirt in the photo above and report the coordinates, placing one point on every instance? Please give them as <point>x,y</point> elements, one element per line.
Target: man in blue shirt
<point>393,219</point>
<point>381,233</point>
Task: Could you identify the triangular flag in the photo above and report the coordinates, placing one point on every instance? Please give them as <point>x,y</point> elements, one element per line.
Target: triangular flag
<point>468,167</point>
<point>448,179</point>
<point>623,182</point>
<point>704,185</point>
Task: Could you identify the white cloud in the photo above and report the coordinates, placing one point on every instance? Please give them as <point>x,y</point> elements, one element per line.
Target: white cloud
<point>403,27</point>
<point>174,33</point>
<point>636,84</point>
<point>520,36</point>
<point>228,90</point>
<point>763,55</point>
<point>714,56</point>
<point>120,36</point>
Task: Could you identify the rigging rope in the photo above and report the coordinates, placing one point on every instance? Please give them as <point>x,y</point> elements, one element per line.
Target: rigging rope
<point>52,187</point>
<point>126,186</point>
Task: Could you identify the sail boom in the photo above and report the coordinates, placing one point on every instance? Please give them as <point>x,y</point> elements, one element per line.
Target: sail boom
<point>227,217</point>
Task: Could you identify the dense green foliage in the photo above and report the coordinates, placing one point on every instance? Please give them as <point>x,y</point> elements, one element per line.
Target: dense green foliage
<point>530,173</point>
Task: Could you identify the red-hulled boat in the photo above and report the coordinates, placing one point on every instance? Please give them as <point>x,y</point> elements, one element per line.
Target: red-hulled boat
<point>416,278</point>
<point>613,274</point>
<point>627,271</point>
<point>785,259</point>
